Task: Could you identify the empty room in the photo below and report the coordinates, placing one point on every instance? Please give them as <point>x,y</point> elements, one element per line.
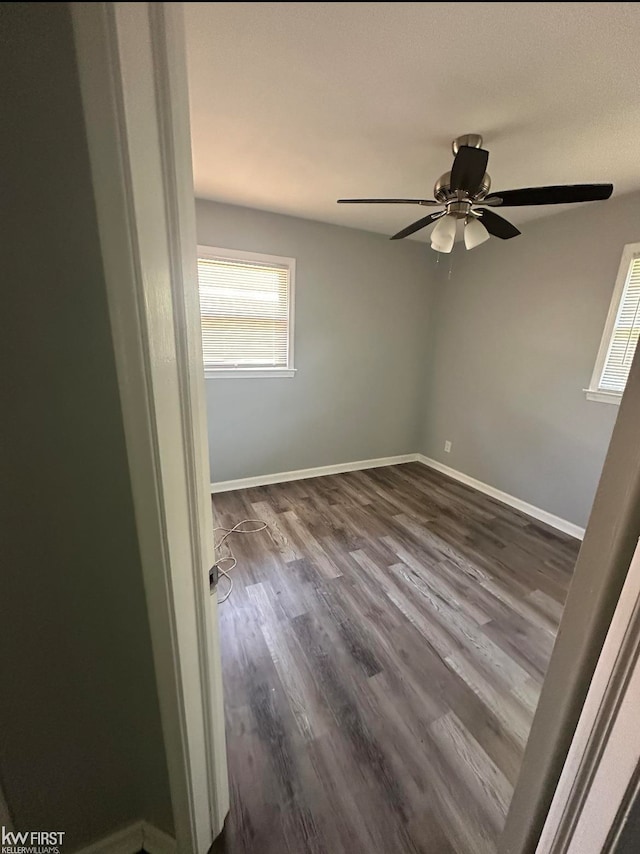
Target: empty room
<point>406,435</point>
<point>322,473</point>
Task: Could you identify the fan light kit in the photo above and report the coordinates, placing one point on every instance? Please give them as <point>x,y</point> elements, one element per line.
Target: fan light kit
<point>464,194</point>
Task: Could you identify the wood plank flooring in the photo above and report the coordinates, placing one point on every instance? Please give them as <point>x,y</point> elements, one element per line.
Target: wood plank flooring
<point>383,653</point>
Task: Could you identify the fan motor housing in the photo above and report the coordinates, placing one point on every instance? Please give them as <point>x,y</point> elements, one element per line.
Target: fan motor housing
<point>443,192</point>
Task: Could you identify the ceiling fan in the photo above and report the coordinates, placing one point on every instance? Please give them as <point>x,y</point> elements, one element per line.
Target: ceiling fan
<point>464,194</point>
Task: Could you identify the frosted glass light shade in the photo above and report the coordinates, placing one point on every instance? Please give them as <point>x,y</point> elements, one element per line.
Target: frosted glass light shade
<point>444,234</point>
<point>474,233</point>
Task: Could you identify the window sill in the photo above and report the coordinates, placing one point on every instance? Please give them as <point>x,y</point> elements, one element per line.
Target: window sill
<point>247,373</point>
<point>603,396</point>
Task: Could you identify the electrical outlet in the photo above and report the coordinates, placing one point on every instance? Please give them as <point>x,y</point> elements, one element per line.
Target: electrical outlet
<point>447,447</point>
<point>214,575</point>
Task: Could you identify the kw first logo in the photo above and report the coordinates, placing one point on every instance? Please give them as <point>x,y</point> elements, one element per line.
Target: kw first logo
<point>31,841</point>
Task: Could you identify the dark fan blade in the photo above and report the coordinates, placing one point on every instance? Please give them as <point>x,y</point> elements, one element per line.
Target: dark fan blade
<point>498,226</point>
<point>428,202</point>
<point>468,169</point>
<point>416,226</point>
<point>557,195</point>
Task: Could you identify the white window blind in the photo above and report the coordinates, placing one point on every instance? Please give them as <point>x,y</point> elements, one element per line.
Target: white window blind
<point>626,330</point>
<point>245,305</point>
<point>621,331</point>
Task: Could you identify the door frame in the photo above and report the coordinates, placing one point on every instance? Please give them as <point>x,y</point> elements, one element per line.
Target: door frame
<point>588,808</point>
<point>133,79</point>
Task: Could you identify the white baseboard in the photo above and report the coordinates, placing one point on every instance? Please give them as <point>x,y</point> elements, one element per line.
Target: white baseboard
<point>132,839</point>
<point>524,507</point>
<point>498,494</point>
<point>157,841</point>
<point>302,474</point>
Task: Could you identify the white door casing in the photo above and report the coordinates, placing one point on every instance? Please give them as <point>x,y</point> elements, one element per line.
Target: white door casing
<point>605,749</point>
<point>133,79</point>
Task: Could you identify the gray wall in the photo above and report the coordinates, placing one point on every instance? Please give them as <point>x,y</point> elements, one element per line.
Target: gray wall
<point>494,357</point>
<point>517,329</point>
<point>80,741</point>
<point>361,337</point>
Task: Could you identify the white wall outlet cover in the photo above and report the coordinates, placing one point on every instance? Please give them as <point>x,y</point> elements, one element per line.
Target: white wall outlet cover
<point>447,447</point>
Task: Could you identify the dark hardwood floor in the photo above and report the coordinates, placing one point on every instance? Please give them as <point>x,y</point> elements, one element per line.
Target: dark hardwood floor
<point>383,653</point>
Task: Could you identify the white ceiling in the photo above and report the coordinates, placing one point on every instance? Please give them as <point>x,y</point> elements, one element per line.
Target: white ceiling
<point>294,105</point>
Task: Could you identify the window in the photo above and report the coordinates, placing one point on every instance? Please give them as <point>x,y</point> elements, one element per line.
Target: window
<point>246,308</point>
<point>621,331</point>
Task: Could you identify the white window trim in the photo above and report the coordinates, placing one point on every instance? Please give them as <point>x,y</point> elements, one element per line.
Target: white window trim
<point>630,251</point>
<point>214,253</point>
<point>247,373</point>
